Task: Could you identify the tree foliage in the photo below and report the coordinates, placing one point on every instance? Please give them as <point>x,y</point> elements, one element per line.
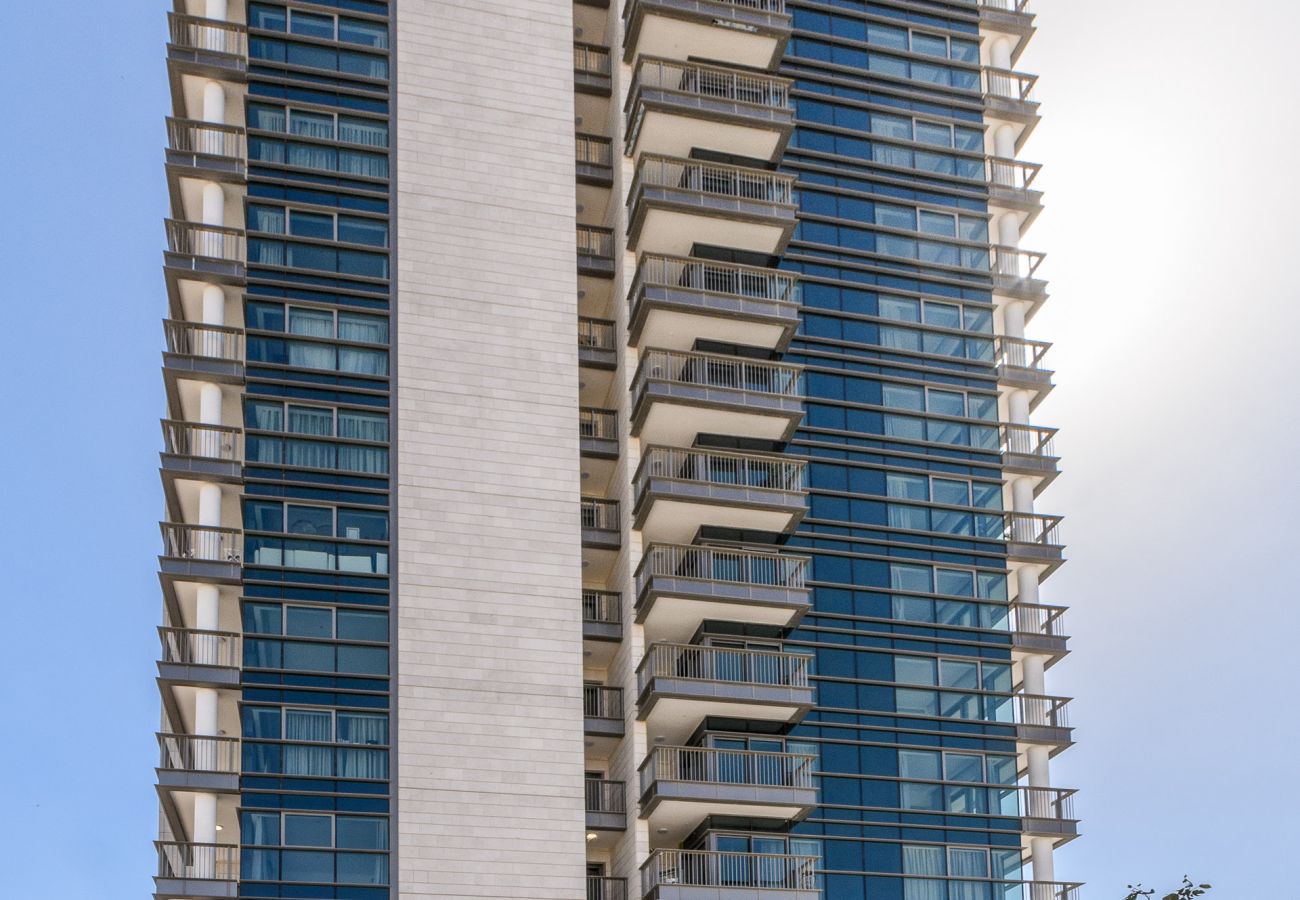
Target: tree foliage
<point>1188,891</point>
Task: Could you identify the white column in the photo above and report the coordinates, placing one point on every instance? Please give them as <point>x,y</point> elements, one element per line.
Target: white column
<point>217,10</point>
<point>1004,142</point>
<point>1009,230</point>
<point>210,404</point>
<point>1013,319</point>
<point>1018,407</point>
<point>214,103</point>
<point>1022,495</point>
<point>1044,870</point>
<point>1000,53</point>
<point>210,506</point>
<point>1033,678</point>
<point>214,204</point>
<point>214,305</point>
<point>1027,584</point>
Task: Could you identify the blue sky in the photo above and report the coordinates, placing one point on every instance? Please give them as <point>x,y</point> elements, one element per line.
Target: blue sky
<point>1170,142</point>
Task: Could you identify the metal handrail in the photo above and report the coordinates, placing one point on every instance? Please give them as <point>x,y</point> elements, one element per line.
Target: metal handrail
<point>1015,6</point>
<point>711,765</point>
<point>198,753</point>
<point>693,662</point>
<point>712,868</point>
<point>1020,353</point>
<point>1042,711</point>
<point>602,515</point>
<point>197,647</point>
<point>1005,889</point>
<point>604,887</point>
<point>1011,173</point>
<point>591,59</point>
<point>716,82</point>
<point>191,439</point>
<point>593,150</point>
<point>710,277</point>
<point>602,607</point>
<point>596,334</point>
<point>770,6</point>
<point>720,467</point>
<point>1009,85</point>
<point>209,862</point>
<point>719,371</point>
<point>1038,619</point>
<point>603,796</point>
<point>1013,262</point>
<point>209,341</point>
<point>211,241</point>
<point>601,702</point>
<point>1008,799</point>
<point>595,241</point>
<point>182,541</point>
<point>598,423</point>
<point>210,35</point>
<point>748,567</point>
<point>1034,528</point>
<point>714,179</point>
<point>207,138</point>
<point>1029,440</point>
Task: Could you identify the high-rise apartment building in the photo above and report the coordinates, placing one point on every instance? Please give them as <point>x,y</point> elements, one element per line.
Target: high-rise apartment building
<point>647,516</point>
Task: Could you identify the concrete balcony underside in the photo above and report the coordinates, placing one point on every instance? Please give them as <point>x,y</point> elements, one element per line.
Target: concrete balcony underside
<point>673,509</point>
<point>749,34</point>
<point>674,412</point>
<point>673,220</point>
<point>673,608</point>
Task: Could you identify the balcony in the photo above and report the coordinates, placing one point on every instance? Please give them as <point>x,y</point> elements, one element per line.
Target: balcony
<point>681,786</point>
<point>679,587</point>
<point>209,452</point>
<point>747,32</point>
<point>679,395</point>
<point>198,552</point>
<point>676,301</point>
<point>1039,629</point>
<point>207,149</point>
<point>596,344</point>
<point>601,887</point>
<point>595,251</point>
<point>1009,95</point>
<point>1043,720</point>
<point>676,107</point>
<point>606,805</point>
<point>1011,187</point>
<point>203,658</point>
<point>1030,450</point>
<point>208,47</point>
<point>591,69</point>
<point>594,158</point>
<point>601,524</point>
<point>602,615</point>
<point>1015,275</point>
<point>1020,365</point>
<point>1034,538</point>
<point>675,204</point>
<point>206,250</point>
<point>1012,17</point>
<point>598,432</point>
<point>210,352</point>
<point>193,763</point>
<point>680,685</point>
<point>711,875</point>
<point>196,870</point>
<point>677,491</point>
<point>602,717</point>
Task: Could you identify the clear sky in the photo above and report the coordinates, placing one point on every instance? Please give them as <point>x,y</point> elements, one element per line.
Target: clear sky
<point>1172,158</point>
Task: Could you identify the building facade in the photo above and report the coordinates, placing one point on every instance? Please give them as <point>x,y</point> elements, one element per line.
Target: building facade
<point>649,519</point>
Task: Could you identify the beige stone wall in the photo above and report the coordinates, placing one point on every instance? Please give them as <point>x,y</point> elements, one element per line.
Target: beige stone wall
<point>489,665</point>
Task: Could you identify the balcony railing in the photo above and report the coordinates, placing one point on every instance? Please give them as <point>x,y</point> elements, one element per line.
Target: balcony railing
<point>597,242</point>
<point>601,887</point>
<point>1008,85</point>
<point>596,334</point>
<point>601,515</point>
<point>594,157</point>
<point>1013,6</point>
<point>1038,620</point>
<point>1054,804</point>
<point>734,666</point>
<point>219,442</point>
<point>605,796</point>
<point>744,283</point>
<point>591,59</point>
<point>1034,528</point>
<point>602,607</point>
<point>717,467</point>
<point>1029,440</point>
<point>209,241</point>
<point>706,765</point>
<point>714,179</point>
<point>192,647</point>
<point>747,567</point>
<point>600,424</point>
<point>210,862</point>
<point>207,139</point>
<point>199,542</point>
<point>713,869</point>
<point>712,82</point>
<point>600,702</point>
<point>1019,353</point>
<point>194,753</point>
<point>1011,173</point>
<point>208,35</point>
<point>207,341</point>
<point>1014,263</point>
<point>1041,711</point>
<point>717,371</point>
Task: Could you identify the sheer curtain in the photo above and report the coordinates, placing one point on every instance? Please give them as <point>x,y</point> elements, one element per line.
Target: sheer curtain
<point>307,725</point>
<point>363,329</point>
<point>923,861</point>
<point>969,864</point>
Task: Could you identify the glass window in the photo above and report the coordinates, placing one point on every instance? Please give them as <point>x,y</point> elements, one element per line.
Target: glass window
<point>356,833</point>
<point>968,139</point>
<point>993,585</point>
<point>934,133</point>
<point>306,831</point>
<point>967,767</point>
<point>997,677</point>
<point>974,229</point>
<point>910,578</point>
<point>958,674</point>
<point>368,728</point>
<point>311,420</point>
<point>901,396</point>
<point>919,764</point>
<point>947,403</point>
<point>358,625</point>
<point>886,36</point>
<point>309,520</point>
<point>952,493</point>
<point>902,309</point>
<point>308,725</point>
<point>964,51</point>
<point>311,225</point>
<point>311,124</point>
<point>363,426</point>
<point>907,487</point>
<point>1001,769</point>
<point>891,216</point>
<point>267,118</point>
<point>363,231</point>
<point>955,582</point>
<point>262,618</point>
<point>260,828</point>
<point>371,34</point>
<point>308,621</point>
<point>940,224</point>
<point>266,218</point>
<point>891,126</point>
<point>357,524</point>
<point>312,25</point>
<point>261,722</point>
<point>916,703</point>
<point>983,406</point>
<point>362,328</point>
<point>916,670</point>
<point>263,516</point>
<point>930,44</point>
